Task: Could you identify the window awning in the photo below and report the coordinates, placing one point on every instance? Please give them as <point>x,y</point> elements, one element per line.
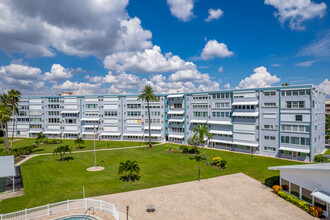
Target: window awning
<point>295,149</point>
<point>245,144</point>
<point>176,120</point>
<point>153,135</point>
<point>88,133</point>
<point>52,132</point>
<point>90,126</point>
<point>89,119</point>
<point>321,196</point>
<point>35,132</point>
<point>246,103</point>
<point>67,112</point>
<point>70,132</point>
<point>153,127</point>
<point>221,141</point>
<point>220,122</point>
<point>110,134</point>
<point>221,132</point>
<point>175,112</point>
<point>140,135</point>
<point>246,114</point>
<point>175,96</point>
<point>176,136</point>
<point>198,121</point>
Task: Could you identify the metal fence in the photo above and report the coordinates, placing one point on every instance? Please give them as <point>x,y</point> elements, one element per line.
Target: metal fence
<point>54,208</point>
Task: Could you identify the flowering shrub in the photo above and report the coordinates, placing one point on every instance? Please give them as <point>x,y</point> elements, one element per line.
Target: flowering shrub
<point>223,164</point>
<point>301,204</point>
<point>277,188</point>
<point>316,211</point>
<point>216,161</point>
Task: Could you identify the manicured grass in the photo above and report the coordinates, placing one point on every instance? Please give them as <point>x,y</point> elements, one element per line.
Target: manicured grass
<point>46,180</point>
<point>88,145</point>
<point>327,152</point>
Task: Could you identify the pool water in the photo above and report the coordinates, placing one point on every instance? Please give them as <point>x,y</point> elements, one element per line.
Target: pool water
<point>76,217</point>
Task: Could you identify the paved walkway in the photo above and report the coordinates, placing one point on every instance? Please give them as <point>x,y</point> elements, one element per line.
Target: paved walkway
<point>235,196</point>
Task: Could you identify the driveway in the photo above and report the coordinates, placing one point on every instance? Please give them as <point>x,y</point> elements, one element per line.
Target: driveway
<point>235,196</point>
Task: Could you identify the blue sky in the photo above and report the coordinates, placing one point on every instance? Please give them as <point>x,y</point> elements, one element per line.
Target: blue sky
<point>116,46</point>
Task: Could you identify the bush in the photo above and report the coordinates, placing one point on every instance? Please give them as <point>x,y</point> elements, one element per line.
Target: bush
<point>223,164</point>
<point>185,150</point>
<point>216,161</point>
<point>316,211</point>
<point>318,158</point>
<point>193,150</point>
<point>54,141</point>
<point>301,204</point>
<point>271,181</point>
<point>277,188</point>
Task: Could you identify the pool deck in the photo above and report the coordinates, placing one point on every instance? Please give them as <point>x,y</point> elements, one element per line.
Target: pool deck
<point>235,196</point>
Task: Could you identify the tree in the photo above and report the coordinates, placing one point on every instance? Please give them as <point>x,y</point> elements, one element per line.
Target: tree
<point>4,118</point>
<point>148,95</point>
<point>79,141</point>
<point>285,84</point>
<point>62,150</point>
<point>13,96</point>
<point>4,100</point>
<point>200,132</point>
<point>129,170</point>
<point>41,138</point>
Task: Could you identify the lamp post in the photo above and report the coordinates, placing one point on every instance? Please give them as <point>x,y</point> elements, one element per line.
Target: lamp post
<point>199,173</point>
<point>127,208</point>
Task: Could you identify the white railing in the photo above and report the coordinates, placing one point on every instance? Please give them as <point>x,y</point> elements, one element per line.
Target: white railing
<point>54,208</point>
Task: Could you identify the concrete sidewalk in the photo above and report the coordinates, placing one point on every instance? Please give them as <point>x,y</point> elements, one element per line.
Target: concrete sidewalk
<point>235,196</point>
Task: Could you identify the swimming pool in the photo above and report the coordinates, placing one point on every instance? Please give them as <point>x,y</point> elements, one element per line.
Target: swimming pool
<point>76,217</point>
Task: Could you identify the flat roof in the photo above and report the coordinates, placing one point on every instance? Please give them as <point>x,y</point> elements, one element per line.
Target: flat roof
<point>325,167</point>
<point>7,166</point>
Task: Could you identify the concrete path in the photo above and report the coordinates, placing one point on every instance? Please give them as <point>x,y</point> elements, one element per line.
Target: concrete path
<point>83,151</point>
<point>235,196</point>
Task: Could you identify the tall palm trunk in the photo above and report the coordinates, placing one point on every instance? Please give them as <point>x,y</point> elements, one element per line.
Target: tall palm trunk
<point>150,146</point>
<point>7,142</point>
<point>4,138</point>
<point>207,162</point>
<point>12,135</point>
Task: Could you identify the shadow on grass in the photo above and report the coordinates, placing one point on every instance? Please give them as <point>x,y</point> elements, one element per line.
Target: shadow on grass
<point>79,148</point>
<point>197,158</point>
<point>39,149</point>
<point>65,159</point>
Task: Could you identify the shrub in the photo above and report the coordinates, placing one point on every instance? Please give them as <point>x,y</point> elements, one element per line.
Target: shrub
<point>223,163</point>
<point>185,150</point>
<point>316,211</point>
<point>301,204</point>
<point>193,150</point>
<point>54,142</point>
<point>318,158</point>
<point>216,161</point>
<point>271,181</point>
<point>277,188</point>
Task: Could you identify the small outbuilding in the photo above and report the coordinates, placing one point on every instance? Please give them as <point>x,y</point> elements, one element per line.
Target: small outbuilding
<point>309,182</point>
<point>7,168</point>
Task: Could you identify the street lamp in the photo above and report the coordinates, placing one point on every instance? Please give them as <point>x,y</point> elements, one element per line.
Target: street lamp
<point>127,208</point>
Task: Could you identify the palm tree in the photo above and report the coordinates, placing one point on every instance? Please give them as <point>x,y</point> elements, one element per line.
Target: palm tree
<point>62,150</point>
<point>41,137</point>
<point>4,118</point>
<point>4,100</point>
<point>13,96</point>
<point>200,132</point>
<point>285,84</point>
<point>148,95</point>
<point>129,170</point>
<point>79,141</point>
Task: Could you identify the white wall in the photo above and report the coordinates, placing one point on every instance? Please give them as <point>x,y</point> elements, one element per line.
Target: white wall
<point>110,106</point>
<point>110,128</point>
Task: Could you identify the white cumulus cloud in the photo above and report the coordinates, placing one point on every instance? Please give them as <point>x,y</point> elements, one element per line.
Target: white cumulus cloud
<point>58,73</point>
<point>214,14</point>
<point>260,78</point>
<point>220,70</point>
<point>297,11</point>
<point>214,49</point>
<point>182,9</point>
<point>326,86</point>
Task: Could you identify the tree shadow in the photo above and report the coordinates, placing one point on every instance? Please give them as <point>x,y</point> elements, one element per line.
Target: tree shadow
<point>271,181</point>
<point>66,159</point>
<point>197,158</point>
<point>79,148</point>
<point>132,179</point>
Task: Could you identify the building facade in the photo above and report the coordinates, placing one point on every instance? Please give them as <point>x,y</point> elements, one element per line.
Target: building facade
<point>327,107</point>
<point>284,122</point>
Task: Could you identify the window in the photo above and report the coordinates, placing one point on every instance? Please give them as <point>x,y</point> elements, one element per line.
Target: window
<point>295,140</point>
<point>199,106</point>
<point>53,113</point>
<point>152,113</point>
<point>295,128</point>
<point>70,115</point>
<point>22,113</point>
<point>221,96</point>
<point>270,127</point>
<point>200,114</point>
<point>54,120</point>
<point>272,149</point>
<point>221,105</point>
<point>24,107</point>
<point>91,106</point>
<point>199,97</point>
<point>133,106</point>
<point>298,117</point>
<point>269,104</point>
<point>35,126</point>
<point>52,100</point>
<point>269,138</point>
<point>133,113</point>
<point>153,121</point>
<point>221,114</point>
<point>110,113</point>
<point>177,105</point>
<point>133,121</point>
<point>295,104</point>
<point>70,121</point>
<point>273,93</point>
<point>53,106</point>
<point>177,130</point>
<point>35,119</point>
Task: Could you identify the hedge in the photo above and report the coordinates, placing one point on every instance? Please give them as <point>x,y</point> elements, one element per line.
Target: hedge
<point>301,204</point>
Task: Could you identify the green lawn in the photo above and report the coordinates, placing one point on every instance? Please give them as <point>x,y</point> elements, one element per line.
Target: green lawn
<point>88,145</point>
<point>327,152</point>
<point>46,180</point>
